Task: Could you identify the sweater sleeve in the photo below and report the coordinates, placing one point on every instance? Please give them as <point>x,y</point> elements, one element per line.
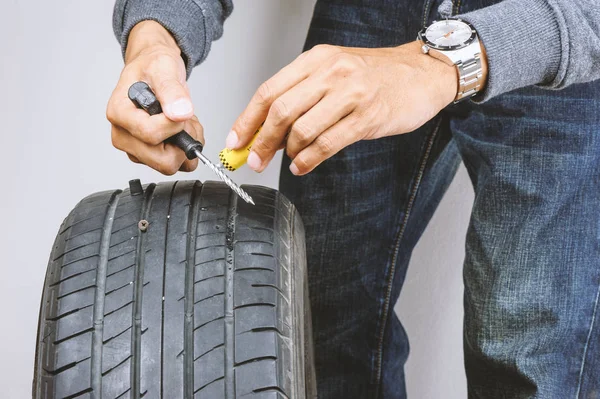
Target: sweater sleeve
<point>549,43</point>
<point>193,23</point>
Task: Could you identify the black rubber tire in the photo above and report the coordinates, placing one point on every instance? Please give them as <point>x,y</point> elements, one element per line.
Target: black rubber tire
<point>209,300</point>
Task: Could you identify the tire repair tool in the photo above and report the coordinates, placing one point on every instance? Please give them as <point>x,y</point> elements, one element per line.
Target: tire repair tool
<point>233,159</point>
<point>143,97</point>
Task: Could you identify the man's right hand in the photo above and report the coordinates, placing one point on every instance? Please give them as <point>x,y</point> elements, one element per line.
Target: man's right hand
<point>153,56</point>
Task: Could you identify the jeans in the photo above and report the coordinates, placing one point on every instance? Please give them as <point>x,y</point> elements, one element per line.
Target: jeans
<point>532,265</point>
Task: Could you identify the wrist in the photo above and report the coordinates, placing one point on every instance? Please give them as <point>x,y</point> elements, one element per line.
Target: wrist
<point>449,76</point>
<point>146,36</point>
<point>484,66</point>
<point>441,75</point>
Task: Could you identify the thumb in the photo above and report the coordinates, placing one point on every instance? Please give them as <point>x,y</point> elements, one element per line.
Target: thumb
<point>174,98</point>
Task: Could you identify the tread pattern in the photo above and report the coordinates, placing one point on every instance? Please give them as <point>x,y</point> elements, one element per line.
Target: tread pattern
<point>208,302</point>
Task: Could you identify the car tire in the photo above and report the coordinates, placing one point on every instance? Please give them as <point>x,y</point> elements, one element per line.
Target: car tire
<point>177,290</point>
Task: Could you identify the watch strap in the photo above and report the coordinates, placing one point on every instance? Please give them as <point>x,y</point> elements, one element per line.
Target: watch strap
<point>470,76</point>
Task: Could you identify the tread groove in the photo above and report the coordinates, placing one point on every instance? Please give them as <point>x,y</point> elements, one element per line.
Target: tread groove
<point>116,336</point>
<point>87,330</point>
<point>117,289</point>
<point>65,367</point>
<point>126,214</point>
<point>115,366</point>
<point>255,242</point>
<point>248,305</point>
<point>96,366</point>
<point>124,227</point>
<point>120,255</point>
<point>164,288</point>
<point>229,340</point>
<point>60,316</point>
<point>88,390</point>
<point>209,297</point>
<point>121,242</point>
<point>136,334</point>
<point>76,291</point>
<point>261,254</point>
<point>208,261</point>
<point>272,286</point>
<point>121,270</point>
<point>208,234</point>
<point>205,385</point>
<point>70,277</point>
<point>188,304</point>
<point>208,322</point>
<point>213,246</point>
<point>208,351</point>
<point>270,389</point>
<point>256,359</point>
<point>208,278</point>
<point>75,249</point>
<point>119,308</point>
<point>81,221</point>
<point>254,268</point>
<point>78,260</point>
<point>261,329</point>
<point>82,233</point>
<point>123,394</point>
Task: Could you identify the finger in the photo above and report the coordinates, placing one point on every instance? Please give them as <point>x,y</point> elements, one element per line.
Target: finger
<point>268,160</point>
<point>326,145</point>
<point>189,165</point>
<point>195,129</point>
<point>174,99</point>
<point>329,111</point>
<point>165,158</point>
<point>285,110</point>
<point>152,130</point>
<point>289,76</point>
<point>166,77</point>
<point>133,159</point>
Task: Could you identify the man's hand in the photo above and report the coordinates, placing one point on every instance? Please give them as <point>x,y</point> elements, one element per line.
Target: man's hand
<point>331,97</point>
<point>153,56</point>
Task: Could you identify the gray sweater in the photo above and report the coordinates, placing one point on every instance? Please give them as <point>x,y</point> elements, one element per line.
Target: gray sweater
<point>549,43</point>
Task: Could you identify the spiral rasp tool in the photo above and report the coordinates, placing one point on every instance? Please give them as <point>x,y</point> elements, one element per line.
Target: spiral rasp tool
<point>143,97</point>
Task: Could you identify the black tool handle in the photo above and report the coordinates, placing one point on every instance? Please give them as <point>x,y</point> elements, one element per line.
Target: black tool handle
<point>143,97</point>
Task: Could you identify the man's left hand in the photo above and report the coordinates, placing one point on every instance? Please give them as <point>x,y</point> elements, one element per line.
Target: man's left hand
<point>331,97</point>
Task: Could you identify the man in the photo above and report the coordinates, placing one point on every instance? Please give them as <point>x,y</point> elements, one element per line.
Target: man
<point>366,189</point>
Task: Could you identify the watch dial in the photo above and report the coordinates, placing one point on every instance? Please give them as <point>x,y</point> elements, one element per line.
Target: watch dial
<point>448,33</point>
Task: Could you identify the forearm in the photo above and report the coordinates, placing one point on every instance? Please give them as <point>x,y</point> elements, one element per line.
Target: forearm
<point>549,43</point>
<point>193,24</point>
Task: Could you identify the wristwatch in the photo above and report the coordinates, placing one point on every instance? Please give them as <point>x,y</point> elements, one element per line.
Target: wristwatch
<point>456,42</point>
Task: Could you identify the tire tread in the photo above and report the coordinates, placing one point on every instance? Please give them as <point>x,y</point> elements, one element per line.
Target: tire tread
<point>208,291</point>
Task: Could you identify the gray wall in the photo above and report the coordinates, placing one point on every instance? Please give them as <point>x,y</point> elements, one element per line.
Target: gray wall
<point>58,65</point>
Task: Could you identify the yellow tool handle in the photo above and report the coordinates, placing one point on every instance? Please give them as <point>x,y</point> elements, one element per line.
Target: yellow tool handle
<point>233,159</point>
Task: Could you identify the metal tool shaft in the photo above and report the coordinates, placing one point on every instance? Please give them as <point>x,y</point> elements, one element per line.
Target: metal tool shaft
<point>219,172</point>
<point>143,97</point>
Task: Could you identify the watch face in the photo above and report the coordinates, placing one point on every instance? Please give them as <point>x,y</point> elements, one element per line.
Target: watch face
<point>449,34</point>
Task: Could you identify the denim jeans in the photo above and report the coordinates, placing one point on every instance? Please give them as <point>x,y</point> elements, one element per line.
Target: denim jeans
<point>532,265</point>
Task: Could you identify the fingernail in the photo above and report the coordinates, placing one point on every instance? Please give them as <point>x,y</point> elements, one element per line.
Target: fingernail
<point>180,107</point>
<point>254,161</point>
<point>231,140</point>
<point>294,169</point>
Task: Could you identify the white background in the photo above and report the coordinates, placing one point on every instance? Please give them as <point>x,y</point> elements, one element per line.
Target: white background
<point>59,63</point>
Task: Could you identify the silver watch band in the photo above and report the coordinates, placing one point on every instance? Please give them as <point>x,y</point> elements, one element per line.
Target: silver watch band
<point>470,75</point>
<point>466,57</point>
